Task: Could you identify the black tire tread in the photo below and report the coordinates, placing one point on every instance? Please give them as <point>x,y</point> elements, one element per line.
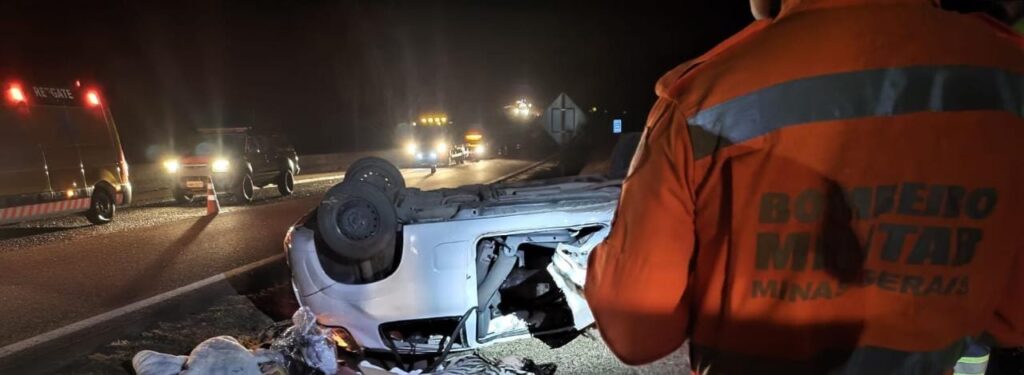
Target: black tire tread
<point>239,193</point>
<point>380,166</point>
<point>93,216</point>
<point>282,181</point>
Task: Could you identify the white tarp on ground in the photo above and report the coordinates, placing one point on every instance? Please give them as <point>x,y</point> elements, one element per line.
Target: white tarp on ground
<point>304,347</point>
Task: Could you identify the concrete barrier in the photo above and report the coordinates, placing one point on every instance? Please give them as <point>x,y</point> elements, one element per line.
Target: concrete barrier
<point>321,163</point>
<point>147,177</point>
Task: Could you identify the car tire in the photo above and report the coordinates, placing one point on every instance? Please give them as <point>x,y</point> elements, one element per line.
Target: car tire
<point>378,173</point>
<point>358,223</point>
<point>101,207</point>
<point>245,190</point>
<point>286,183</point>
<point>183,197</point>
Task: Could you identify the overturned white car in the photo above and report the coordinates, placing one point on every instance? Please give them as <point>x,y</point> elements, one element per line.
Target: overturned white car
<point>410,273</point>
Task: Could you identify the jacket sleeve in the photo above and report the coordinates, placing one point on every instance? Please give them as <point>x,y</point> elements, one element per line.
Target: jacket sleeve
<point>636,279</point>
<point>1007,327</point>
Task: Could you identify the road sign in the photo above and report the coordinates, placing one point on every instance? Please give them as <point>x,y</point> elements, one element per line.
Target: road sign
<point>563,119</point>
<point>617,126</point>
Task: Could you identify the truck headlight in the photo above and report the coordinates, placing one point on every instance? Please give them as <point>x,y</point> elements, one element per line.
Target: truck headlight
<point>220,165</point>
<point>411,148</point>
<point>172,165</point>
<point>442,147</point>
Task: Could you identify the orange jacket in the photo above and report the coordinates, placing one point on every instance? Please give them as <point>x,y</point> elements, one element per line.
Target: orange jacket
<point>838,187</point>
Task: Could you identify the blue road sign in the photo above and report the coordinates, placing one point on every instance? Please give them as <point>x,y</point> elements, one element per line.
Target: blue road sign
<point>617,126</point>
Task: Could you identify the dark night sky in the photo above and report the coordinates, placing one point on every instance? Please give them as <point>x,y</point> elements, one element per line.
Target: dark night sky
<point>339,75</point>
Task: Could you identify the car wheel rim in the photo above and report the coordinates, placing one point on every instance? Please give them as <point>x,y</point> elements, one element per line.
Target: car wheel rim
<point>358,220</point>
<point>289,182</point>
<point>103,206</point>
<point>377,179</point>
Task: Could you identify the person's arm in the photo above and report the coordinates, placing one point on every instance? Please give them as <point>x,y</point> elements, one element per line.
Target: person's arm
<point>1007,327</point>
<point>637,278</point>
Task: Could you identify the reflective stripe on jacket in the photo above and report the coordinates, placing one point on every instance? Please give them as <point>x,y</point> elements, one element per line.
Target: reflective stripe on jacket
<point>834,190</point>
<point>974,360</point>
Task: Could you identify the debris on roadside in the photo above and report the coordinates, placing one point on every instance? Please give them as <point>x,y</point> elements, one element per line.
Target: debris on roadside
<point>218,355</point>
<point>307,346</point>
<point>304,347</point>
<point>471,364</point>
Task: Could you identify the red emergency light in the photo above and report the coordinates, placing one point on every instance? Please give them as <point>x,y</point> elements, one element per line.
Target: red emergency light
<point>92,98</point>
<point>15,95</point>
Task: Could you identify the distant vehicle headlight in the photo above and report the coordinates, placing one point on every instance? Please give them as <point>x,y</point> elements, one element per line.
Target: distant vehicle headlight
<point>433,155</point>
<point>220,165</point>
<point>172,165</point>
<point>419,155</point>
<point>442,147</point>
<point>479,150</point>
<point>411,148</point>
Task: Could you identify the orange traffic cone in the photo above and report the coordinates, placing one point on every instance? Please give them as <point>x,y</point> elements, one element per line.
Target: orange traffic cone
<point>212,204</point>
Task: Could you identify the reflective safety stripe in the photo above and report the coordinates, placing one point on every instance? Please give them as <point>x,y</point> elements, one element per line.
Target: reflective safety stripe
<point>40,209</point>
<point>867,93</point>
<point>973,362</point>
<point>970,368</point>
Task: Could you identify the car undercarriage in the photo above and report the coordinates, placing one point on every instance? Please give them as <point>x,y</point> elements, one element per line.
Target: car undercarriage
<point>414,274</point>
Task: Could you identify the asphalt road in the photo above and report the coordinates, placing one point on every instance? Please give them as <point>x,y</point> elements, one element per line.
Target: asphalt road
<point>56,272</point>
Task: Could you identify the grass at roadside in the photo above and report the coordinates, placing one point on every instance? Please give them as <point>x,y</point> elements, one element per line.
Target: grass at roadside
<point>234,316</point>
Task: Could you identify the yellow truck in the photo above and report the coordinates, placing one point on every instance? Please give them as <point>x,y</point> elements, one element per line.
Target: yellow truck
<point>429,143</point>
<point>475,145</point>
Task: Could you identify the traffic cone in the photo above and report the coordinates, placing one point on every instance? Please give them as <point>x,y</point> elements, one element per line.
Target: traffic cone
<point>212,204</point>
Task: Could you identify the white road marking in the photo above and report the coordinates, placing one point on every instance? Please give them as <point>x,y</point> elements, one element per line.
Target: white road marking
<point>130,308</point>
<point>318,179</point>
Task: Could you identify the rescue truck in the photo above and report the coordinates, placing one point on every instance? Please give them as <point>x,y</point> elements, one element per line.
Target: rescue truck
<point>429,142</point>
<point>60,154</point>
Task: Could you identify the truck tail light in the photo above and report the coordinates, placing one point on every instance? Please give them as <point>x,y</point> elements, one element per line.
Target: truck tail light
<point>15,95</point>
<point>92,98</point>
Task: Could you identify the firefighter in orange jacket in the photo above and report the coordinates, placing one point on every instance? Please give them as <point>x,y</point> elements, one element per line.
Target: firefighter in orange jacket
<point>834,189</point>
